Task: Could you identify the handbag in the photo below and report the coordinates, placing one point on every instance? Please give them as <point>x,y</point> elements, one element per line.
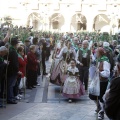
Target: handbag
<point>94,88</point>
<point>22,84</point>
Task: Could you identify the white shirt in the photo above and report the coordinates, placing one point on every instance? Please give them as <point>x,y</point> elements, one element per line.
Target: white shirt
<point>106,69</point>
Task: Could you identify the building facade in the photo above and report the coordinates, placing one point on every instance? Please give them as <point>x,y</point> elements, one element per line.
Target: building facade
<point>64,15</point>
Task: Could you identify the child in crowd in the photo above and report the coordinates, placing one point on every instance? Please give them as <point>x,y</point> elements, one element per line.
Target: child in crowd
<point>72,88</point>
<point>32,64</point>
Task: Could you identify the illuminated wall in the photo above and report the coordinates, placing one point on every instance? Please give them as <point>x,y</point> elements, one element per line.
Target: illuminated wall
<point>63,15</point>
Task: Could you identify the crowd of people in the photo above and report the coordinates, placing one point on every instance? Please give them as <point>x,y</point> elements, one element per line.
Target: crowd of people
<point>72,59</point>
<point>20,63</point>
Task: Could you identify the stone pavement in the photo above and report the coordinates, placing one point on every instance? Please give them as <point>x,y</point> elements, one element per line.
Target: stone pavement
<point>53,111</point>
<point>46,103</point>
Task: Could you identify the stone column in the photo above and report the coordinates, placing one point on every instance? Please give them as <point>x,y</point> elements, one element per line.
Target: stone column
<point>90,25</point>
<point>67,23</point>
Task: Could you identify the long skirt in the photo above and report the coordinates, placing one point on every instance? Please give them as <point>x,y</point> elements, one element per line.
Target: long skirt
<point>58,75</point>
<point>73,88</point>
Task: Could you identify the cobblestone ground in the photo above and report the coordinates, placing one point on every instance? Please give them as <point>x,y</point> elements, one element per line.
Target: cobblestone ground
<point>46,103</point>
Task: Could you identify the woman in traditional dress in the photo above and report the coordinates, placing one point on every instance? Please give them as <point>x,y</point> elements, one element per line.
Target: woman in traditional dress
<point>56,52</point>
<point>104,73</point>
<point>58,73</point>
<point>58,48</point>
<point>73,88</point>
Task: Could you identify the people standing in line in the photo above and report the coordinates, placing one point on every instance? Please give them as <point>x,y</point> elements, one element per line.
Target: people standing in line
<point>32,64</point>
<point>83,59</point>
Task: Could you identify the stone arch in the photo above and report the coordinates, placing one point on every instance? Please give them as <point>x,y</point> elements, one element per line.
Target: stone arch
<point>35,20</point>
<point>101,21</point>
<point>56,21</point>
<point>79,22</point>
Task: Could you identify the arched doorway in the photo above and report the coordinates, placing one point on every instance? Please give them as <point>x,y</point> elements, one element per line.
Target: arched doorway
<point>101,23</point>
<point>35,20</point>
<point>78,22</point>
<point>56,21</point>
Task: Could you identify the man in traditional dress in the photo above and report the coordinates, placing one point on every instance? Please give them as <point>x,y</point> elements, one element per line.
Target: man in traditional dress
<point>83,57</point>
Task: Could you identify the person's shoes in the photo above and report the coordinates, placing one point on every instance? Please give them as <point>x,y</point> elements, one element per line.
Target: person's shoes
<point>33,87</point>
<point>17,98</point>
<point>101,115</point>
<point>11,102</point>
<point>70,101</point>
<point>19,95</point>
<point>38,85</point>
<point>45,73</point>
<point>29,88</point>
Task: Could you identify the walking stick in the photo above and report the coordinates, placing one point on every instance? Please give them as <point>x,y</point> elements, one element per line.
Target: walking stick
<point>24,81</point>
<point>90,48</point>
<point>41,69</point>
<point>24,84</point>
<point>6,72</point>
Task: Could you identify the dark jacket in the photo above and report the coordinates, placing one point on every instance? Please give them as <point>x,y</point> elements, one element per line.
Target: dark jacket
<point>112,104</point>
<point>2,67</point>
<point>13,66</point>
<point>2,43</point>
<point>44,51</point>
<point>88,57</point>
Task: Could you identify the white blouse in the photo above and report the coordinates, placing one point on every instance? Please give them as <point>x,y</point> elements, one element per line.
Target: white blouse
<point>73,70</point>
<point>106,70</point>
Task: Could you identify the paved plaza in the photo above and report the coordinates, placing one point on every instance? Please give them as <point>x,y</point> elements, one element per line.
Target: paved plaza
<point>46,103</point>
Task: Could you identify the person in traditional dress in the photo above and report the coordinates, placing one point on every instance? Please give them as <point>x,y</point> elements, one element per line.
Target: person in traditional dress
<point>73,87</point>
<point>104,73</point>
<point>58,73</point>
<point>83,59</point>
<point>58,47</point>
<point>56,52</point>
